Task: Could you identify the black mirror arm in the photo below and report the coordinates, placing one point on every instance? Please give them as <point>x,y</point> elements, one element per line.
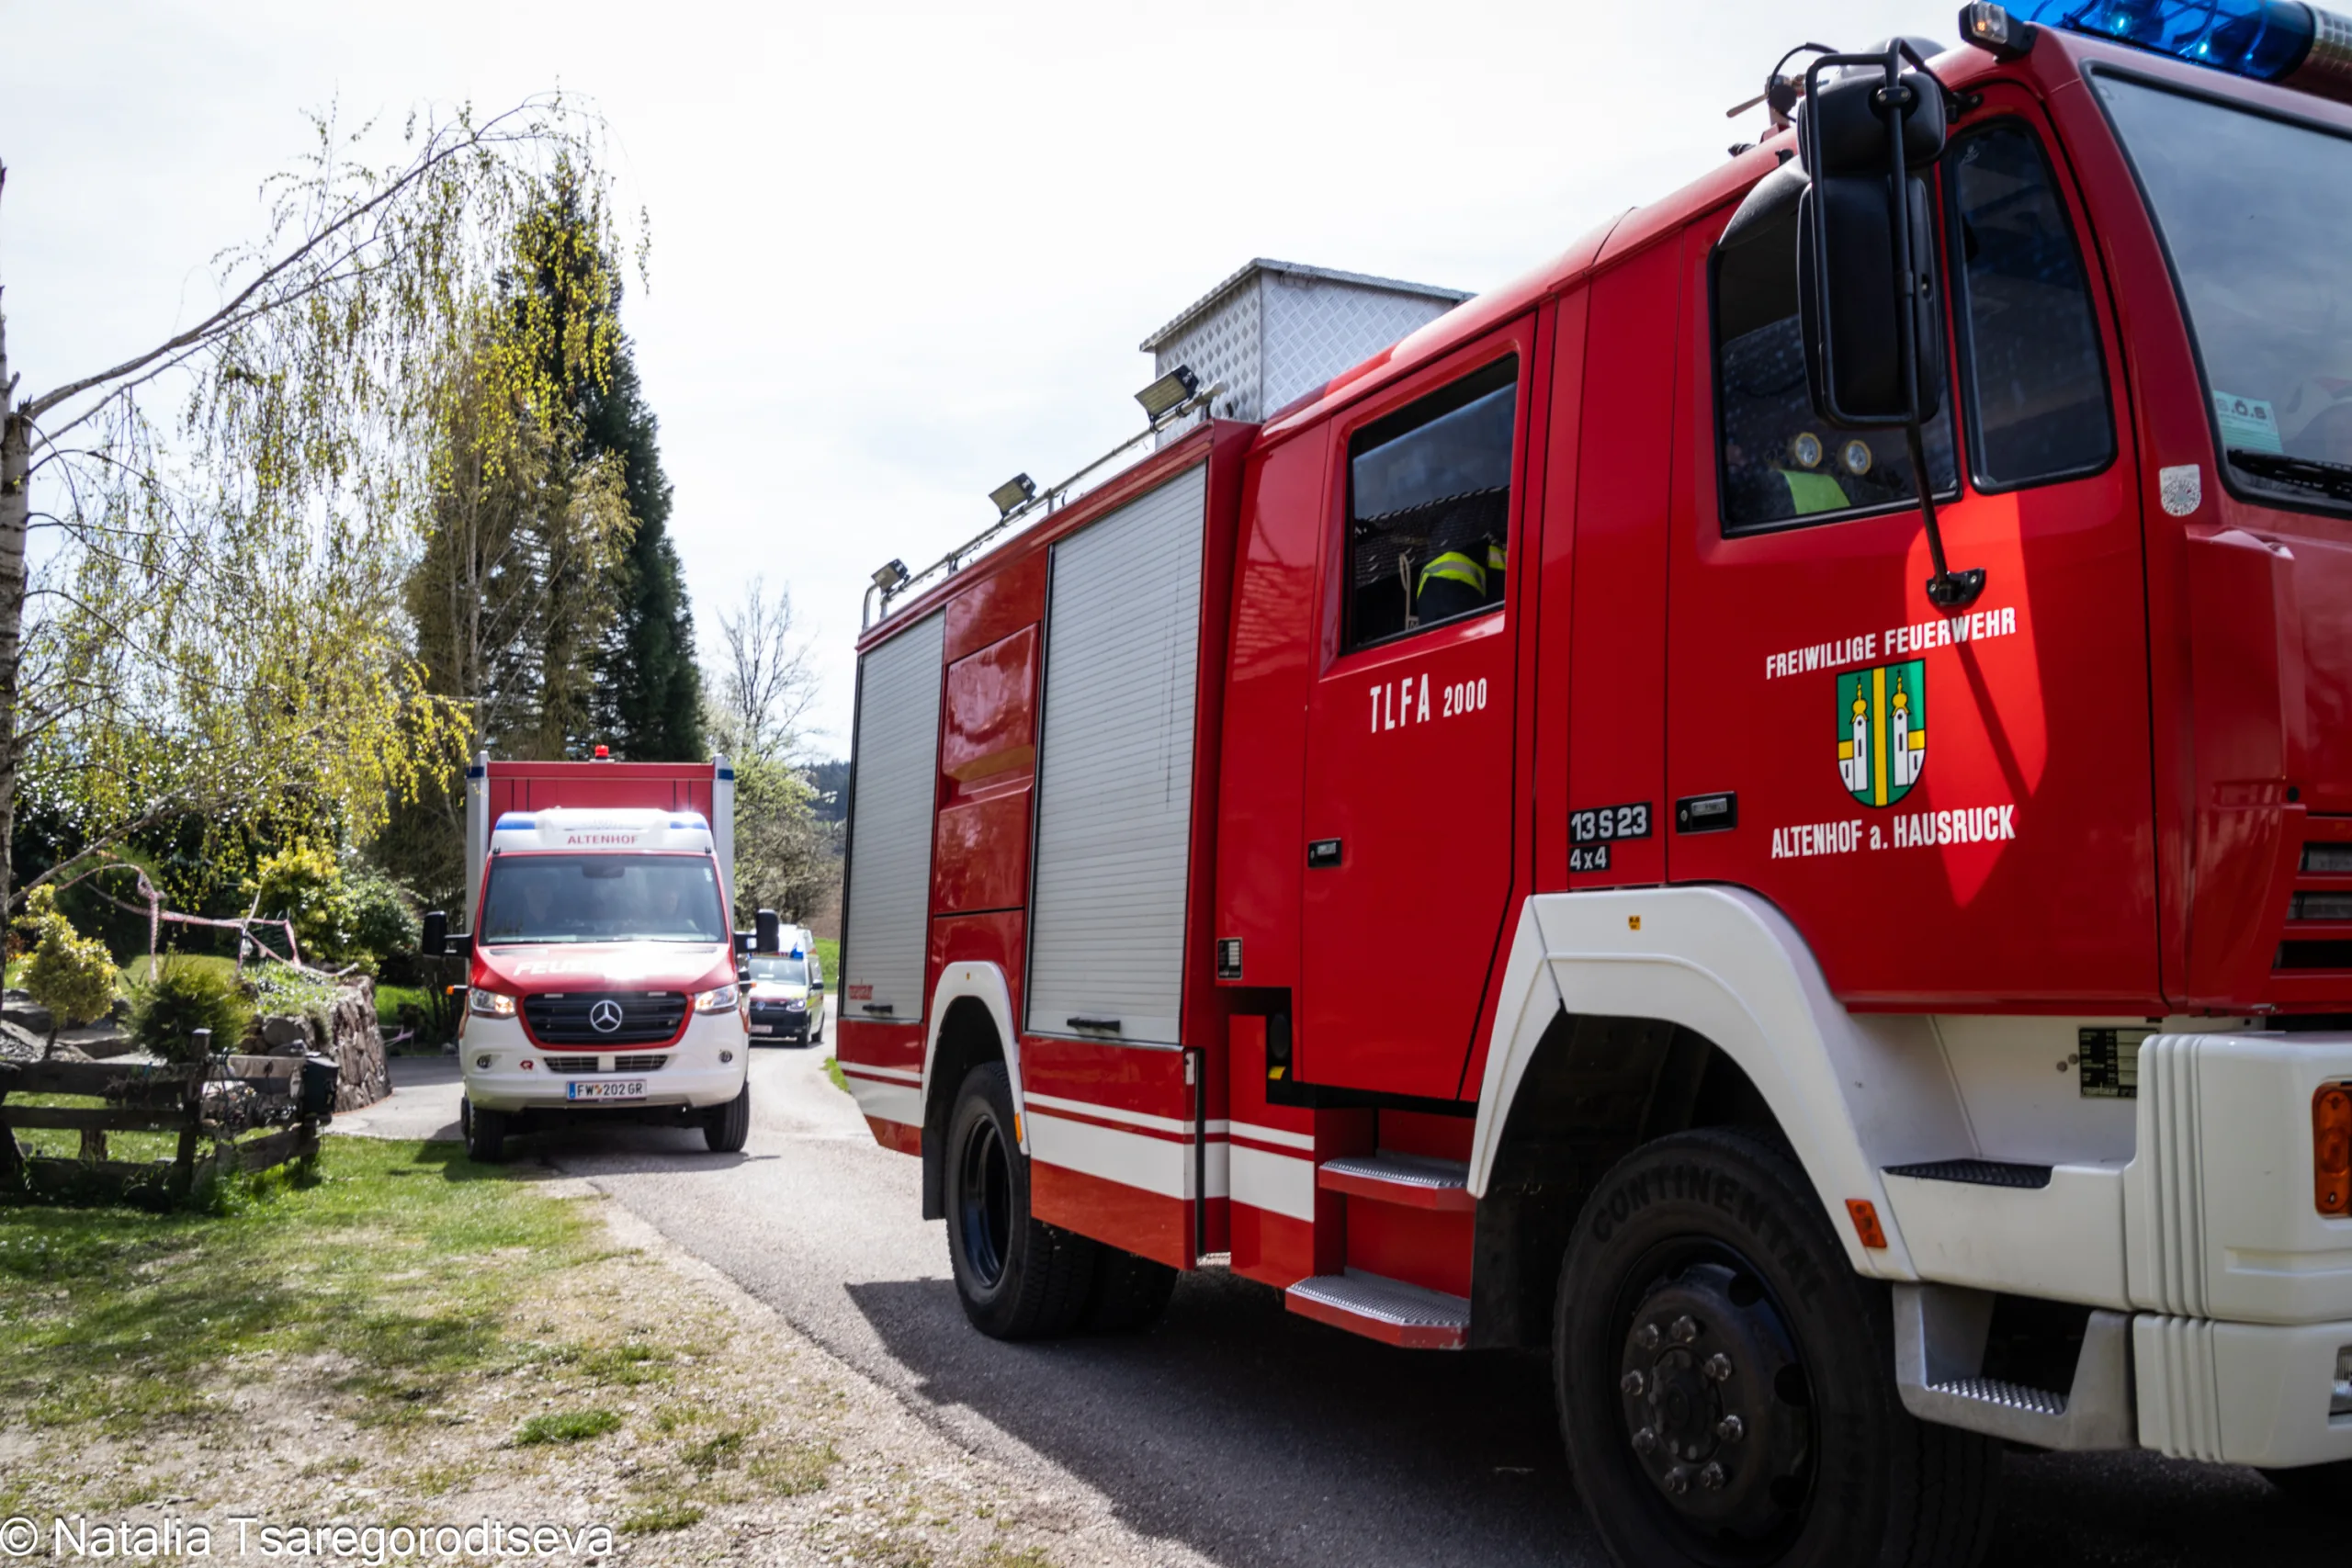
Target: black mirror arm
<point>1947,590</point>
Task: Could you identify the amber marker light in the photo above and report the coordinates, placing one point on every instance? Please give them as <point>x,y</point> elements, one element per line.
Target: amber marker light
<point>2332,1148</point>
<point>1864,1213</point>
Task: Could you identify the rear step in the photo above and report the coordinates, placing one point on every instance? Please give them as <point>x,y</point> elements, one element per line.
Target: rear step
<point>1412,1181</point>
<point>1380,1308</point>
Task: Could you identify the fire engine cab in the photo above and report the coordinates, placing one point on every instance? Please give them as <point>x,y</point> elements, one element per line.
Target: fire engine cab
<point>1881,975</point>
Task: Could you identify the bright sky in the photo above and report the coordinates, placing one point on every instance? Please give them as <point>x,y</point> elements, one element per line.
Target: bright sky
<point>899,252</point>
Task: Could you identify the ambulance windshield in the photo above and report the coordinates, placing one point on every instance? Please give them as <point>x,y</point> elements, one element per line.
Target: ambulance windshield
<point>573,899</point>
<point>2256,214</point>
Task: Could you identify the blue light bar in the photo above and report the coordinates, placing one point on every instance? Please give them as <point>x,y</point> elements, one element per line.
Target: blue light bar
<point>2268,40</point>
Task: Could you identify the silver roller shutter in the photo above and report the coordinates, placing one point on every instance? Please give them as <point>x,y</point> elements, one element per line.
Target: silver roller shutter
<point>1115,768</point>
<point>896,768</point>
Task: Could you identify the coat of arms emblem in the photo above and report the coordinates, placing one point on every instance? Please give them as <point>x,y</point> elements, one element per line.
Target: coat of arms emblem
<point>1882,730</point>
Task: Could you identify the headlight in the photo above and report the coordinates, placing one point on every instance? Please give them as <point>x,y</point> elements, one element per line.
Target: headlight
<point>719,1000</point>
<point>490,1004</point>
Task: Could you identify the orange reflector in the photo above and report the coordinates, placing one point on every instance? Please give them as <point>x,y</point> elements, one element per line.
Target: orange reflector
<point>2332,1148</point>
<point>1865,1217</point>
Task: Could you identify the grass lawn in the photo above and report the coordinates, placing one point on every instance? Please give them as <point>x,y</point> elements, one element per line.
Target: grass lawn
<point>397,1263</point>
<point>408,1338</point>
<point>828,954</point>
<point>134,974</point>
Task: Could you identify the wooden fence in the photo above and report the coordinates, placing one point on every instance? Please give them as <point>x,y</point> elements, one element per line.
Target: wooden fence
<point>215,1100</point>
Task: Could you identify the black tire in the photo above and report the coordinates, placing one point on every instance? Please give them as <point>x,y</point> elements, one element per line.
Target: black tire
<point>464,1117</point>
<point>1703,1281</point>
<point>1019,1277</point>
<point>2327,1486</point>
<point>485,1134</point>
<point>1130,1293</point>
<point>725,1127</point>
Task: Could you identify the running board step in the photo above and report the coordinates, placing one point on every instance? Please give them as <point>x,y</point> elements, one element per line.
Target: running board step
<point>1388,1310</point>
<point>1939,1335</point>
<point>1410,1181</point>
<point>1977,1172</point>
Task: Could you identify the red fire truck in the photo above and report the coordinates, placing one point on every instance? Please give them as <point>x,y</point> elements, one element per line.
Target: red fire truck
<point>1546,841</point>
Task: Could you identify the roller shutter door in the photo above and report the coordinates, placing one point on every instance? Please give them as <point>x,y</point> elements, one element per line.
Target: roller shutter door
<point>896,768</point>
<point>1114,768</point>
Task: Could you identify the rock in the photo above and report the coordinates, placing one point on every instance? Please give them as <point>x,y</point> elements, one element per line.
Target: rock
<point>100,1041</point>
<point>27,1013</point>
<point>279,1032</point>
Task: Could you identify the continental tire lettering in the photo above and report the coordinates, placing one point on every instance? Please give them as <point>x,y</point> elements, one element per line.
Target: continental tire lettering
<point>1697,1185</point>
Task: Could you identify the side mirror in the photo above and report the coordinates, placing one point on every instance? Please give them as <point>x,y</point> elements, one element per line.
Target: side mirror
<point>1866,250</point>
<point>770,929</point>
<point>742,944</point>
<point>437,934</point>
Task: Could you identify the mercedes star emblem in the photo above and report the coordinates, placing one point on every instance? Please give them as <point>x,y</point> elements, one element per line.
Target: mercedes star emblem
<point>605,1016</point>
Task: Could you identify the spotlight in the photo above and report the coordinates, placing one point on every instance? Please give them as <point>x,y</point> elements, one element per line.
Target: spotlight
<point>890,576</point>
<point>1168,393</point>
<point>1012,492</point>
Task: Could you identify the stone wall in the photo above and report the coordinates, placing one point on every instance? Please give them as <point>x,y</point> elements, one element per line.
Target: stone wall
<point>348,1034</point>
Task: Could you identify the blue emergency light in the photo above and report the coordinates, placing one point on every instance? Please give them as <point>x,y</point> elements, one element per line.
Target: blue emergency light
<point>2268,40</point>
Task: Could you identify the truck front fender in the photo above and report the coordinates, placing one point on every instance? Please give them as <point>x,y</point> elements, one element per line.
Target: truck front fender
<point>982,983</point>
<point>1852,1095</point>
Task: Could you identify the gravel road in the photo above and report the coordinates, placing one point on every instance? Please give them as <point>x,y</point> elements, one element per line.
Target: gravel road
<point>1236,1432</point>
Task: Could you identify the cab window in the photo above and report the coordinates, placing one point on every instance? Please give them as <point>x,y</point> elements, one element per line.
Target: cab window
<point>1781,464</point>
<point>2029,359</point>
<point>1429,508</point>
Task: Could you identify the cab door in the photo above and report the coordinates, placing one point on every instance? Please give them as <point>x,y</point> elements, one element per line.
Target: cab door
<point>1938,801</point>
<point>1409,821</point>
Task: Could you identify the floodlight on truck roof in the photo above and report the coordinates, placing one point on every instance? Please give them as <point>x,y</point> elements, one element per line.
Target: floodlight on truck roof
<point>1163,397</point>
<point>1012,492</point>
<point>1013,502</point>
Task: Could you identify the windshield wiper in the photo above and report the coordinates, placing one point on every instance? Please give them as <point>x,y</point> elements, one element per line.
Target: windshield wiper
<point>2333,479</point>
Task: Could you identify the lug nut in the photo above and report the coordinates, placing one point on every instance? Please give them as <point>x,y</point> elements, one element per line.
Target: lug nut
<point>1731,1428</point>
<point>1633,1384</point>
<point>1684,1330</point>
<point>1646,1336</point>
<point>1645,1442</point>
<point>1718,1367</point>
<point>1712,1478</point>
<point>1677,1479</point>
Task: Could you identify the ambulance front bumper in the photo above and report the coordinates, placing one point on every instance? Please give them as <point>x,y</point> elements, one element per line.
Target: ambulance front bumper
<point>505,1071</point>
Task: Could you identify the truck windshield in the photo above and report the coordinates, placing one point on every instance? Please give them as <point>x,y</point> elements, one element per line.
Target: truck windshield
<point>602,899</point>
<point>780,970</point>
<point>2256,214</point>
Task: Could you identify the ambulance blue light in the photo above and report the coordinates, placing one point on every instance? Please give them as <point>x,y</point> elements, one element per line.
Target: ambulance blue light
<point>2266,40</point>
<point>514,820</point>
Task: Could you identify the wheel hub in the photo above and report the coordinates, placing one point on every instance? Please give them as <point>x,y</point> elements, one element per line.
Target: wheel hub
<point>1716,1406</point>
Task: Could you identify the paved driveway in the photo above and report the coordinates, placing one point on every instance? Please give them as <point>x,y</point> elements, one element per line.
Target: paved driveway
<point>1235,1430</point>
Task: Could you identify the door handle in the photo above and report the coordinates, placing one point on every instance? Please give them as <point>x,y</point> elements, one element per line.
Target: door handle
<point>1322,854</point>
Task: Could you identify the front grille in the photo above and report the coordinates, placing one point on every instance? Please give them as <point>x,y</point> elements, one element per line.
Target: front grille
<point>571,1064</point>
<point>563,1018</point>
<point>639,1063</point>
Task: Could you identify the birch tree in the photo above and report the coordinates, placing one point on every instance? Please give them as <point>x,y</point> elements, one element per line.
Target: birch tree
<point>210,621</point>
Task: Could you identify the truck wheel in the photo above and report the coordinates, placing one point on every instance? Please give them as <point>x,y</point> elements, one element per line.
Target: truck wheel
<point>1130,1293</point>
<point>1019,1277</point>
<point>485,1134</point>
<point>1726,1380</point>
<point>725,1127</point>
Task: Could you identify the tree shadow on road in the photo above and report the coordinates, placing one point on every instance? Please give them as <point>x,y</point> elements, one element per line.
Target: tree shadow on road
<point>1255,1437</point>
